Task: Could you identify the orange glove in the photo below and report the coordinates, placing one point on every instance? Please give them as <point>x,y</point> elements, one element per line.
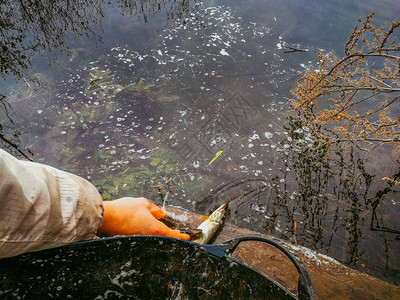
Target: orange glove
<point>128,216</point>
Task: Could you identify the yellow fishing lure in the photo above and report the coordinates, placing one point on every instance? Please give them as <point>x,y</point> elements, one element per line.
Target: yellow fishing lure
<point>216,156</point>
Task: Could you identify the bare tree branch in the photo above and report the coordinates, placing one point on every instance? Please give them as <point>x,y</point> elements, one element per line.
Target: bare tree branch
<point>330,95</point>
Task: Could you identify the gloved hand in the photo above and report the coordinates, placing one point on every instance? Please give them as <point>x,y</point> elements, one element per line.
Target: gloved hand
<point>128,216</point>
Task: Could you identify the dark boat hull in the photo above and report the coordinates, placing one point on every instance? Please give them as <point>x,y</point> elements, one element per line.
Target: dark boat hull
<point>137,267</point>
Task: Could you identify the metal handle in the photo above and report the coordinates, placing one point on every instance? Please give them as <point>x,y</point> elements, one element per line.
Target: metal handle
<point>304,287</point>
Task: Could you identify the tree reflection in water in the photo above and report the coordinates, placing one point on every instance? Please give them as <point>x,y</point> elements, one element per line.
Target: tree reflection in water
<point>324,199</point>
<point>336,206</point>
<point>29,28</point>
<point>9,132</point>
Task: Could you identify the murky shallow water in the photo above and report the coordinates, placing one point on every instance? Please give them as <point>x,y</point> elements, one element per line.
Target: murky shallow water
<point>145,110</point>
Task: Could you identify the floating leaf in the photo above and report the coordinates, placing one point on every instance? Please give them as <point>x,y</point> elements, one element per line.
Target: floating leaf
<point>216,156</point>
<point>130,179</point>
<point>106,196</point>
<point>117,182</point>
<point>169,169</point>
<point>126,187</point>
<point>103,154</point>
<point>113,190</point>
<point>155,161</point>
<point>99,183</point>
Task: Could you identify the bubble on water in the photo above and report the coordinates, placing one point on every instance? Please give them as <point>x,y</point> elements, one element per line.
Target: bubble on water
<point>299,130</point>
<point>268,134</point>
<point>255,136</point>
<point>223,52</point>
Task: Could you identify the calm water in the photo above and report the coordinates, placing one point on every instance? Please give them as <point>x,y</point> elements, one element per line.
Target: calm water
<point>140,99</point>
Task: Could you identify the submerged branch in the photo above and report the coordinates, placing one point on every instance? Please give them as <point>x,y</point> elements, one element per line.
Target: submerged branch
<point>360,55</point>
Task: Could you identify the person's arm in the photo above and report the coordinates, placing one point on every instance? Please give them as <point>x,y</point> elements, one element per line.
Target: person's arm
<point>42,207</point>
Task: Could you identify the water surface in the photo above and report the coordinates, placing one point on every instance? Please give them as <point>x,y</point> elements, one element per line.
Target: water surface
<point>139,100</point>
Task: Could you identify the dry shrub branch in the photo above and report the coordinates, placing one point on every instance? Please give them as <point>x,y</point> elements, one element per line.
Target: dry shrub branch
<point>356,96</point>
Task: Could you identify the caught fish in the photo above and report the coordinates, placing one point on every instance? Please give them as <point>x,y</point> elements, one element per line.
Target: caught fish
<point>212,225</point>
<point>179,222</point>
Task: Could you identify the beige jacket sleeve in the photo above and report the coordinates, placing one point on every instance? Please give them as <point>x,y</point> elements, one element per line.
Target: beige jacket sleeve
<point>42,207</point>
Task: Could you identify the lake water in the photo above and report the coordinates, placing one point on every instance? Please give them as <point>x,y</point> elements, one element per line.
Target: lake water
<point>139,99</point>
